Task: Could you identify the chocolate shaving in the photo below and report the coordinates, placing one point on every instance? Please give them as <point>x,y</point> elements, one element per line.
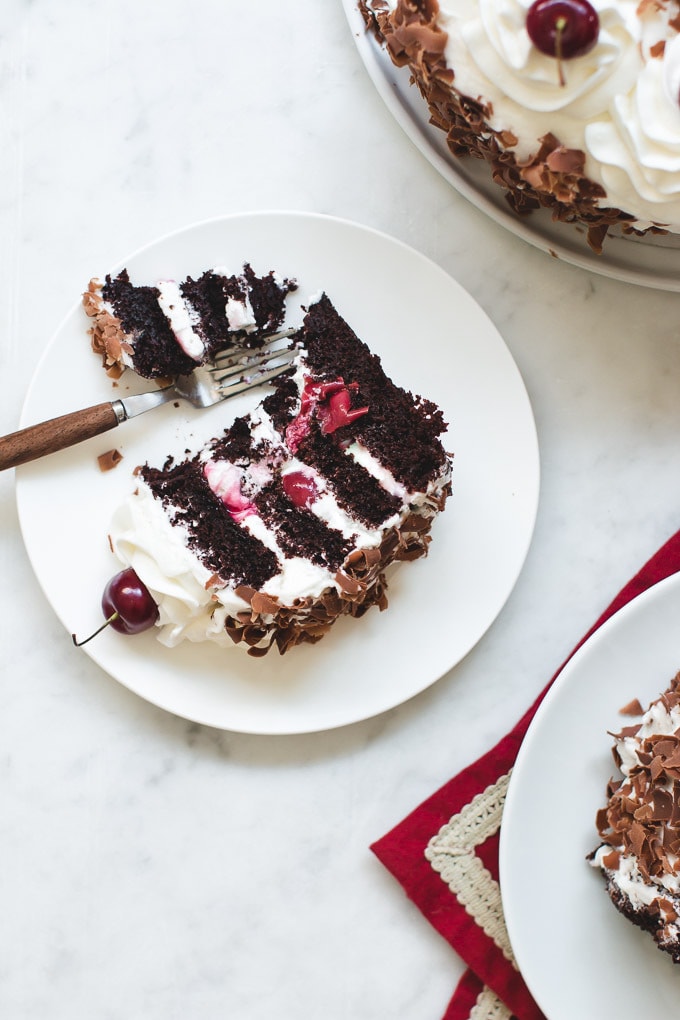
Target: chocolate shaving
<point>611,860</point>
<point>109,460</point>
<point>106,332</point>
<point>263,605</point>
<point>632,708</point>
<point>641,820</point>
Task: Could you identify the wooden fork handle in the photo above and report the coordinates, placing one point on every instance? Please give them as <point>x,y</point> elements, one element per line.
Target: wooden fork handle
<point>56,434</point>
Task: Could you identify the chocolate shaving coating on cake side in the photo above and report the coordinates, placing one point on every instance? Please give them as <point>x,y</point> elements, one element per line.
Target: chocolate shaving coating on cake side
<point>105,331</point>
<point>642,821</point>
<point>553,177</point>
<point>362,584</point>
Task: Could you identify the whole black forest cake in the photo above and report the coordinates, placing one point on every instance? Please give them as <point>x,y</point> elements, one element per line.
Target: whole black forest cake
<point>573,105</point>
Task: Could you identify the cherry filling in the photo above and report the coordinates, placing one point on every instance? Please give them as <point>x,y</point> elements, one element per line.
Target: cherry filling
<point>337,411</point>
<point>238,506</point>
<point>300,488</point>
<point>330,402</point>
<point>225,481</point>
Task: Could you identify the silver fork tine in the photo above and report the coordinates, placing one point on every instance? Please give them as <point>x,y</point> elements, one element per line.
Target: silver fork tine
<point>249,380</point>
<point>234,355</point>
<point>247,362</point>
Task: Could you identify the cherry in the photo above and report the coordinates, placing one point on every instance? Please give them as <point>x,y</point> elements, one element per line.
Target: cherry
<point>563,28</point>
<point>300,488</point>
<point>127,605</point>
<point>337,413</point>
<point>225,481</point>
<point>330,401</point>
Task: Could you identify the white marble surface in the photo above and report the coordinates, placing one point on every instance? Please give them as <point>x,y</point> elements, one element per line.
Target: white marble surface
<point>153,868</point>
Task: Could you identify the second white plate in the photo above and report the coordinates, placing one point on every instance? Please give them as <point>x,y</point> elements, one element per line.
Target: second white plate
<point>579,956</point>
<point>434,340</point>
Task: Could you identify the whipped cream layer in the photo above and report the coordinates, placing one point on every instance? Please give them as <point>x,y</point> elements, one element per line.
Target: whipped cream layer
<point>640,827</point>
<point>182,318</point>
<point>193,604</point>
<point>619,103</point>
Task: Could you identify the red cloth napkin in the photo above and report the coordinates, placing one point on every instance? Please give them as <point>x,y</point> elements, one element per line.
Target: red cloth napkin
<point>445,853</point>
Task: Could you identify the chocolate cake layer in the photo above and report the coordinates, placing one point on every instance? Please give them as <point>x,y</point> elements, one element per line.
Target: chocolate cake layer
<point>355,489</point>
<point>299,532</point>
<point>209,296</point>
<point>402,431</point>
<point>156,351</point>
<point>225,548</point>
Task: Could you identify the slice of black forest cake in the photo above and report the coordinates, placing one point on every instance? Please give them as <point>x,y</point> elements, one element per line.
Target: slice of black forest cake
<point>289,519</point>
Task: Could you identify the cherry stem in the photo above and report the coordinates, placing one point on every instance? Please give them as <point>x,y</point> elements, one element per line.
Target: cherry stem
<point>79,644</point>
<point>560,26</point>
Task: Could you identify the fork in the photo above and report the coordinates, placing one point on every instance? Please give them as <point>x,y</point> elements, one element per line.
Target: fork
<point>234,370</point>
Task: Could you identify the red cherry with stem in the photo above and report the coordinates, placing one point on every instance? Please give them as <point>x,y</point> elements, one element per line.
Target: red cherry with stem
<point>127,605</point>
<point>563,28</point>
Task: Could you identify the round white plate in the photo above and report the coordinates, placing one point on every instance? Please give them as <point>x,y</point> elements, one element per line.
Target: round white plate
<point>578,955</point>
<point>435,340</point>
<point>650,261</point>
